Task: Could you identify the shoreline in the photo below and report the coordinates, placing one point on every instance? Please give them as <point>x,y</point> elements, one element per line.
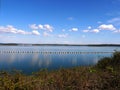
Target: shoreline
<point>23,44</point>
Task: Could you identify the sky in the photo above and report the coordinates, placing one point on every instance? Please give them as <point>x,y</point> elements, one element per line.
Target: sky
<point>60,21</point>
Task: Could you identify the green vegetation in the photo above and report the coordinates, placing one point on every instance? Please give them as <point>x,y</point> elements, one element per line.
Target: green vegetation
<point>112,62</point>
<point>105,75</point>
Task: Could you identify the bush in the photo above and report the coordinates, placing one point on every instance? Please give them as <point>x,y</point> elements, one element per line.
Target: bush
<point>103,63</point>
<point>113,62</point>
<point>116,59</point>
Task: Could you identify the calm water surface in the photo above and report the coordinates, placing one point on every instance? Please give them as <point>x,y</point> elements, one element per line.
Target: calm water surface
<point>33,58</point>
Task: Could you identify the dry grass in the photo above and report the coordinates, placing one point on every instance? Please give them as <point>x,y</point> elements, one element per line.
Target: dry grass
<point>79,78</point>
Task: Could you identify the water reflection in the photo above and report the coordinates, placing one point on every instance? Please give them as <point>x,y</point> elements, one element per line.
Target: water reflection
<point>31,59</point>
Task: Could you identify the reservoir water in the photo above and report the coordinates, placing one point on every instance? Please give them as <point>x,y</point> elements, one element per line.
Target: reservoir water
<point>33,58</point>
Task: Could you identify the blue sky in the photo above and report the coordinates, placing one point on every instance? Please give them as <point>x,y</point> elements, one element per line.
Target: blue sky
<point>60,21</point>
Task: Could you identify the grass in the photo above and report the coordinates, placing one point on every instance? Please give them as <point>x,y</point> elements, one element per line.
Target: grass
<point>105,75</point>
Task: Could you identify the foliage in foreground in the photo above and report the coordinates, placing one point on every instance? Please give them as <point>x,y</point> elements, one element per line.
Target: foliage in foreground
<point>110,62</point>
<point>104,76</point>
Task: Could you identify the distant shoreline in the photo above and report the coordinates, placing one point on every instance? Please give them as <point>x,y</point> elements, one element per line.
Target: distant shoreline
<point>22,44</point>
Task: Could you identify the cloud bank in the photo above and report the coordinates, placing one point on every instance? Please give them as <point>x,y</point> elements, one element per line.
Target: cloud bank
<point>62,35</point>
<point>74,29</point>
<point>107,27</point>
<point>100,28</point>
<point>11,29</point>
<point>46,27</point>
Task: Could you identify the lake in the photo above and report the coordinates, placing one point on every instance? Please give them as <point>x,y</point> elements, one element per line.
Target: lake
<point>33,58</point>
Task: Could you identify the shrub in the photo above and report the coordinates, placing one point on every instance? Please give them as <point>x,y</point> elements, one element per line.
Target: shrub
<point>116,59</point>
<point>103,63</point>
<point>113,62</point>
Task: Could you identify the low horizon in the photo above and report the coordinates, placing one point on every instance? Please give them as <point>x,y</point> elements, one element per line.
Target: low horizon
<point>54,44</point>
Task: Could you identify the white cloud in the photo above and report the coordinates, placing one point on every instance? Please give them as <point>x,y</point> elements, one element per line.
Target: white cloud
<point>106,27</point>
<point>117,31</point>
<point>41,27</point>
<point>22,32</point>
<point>62,35</point>
<point>102,27</point>
<point>13,30</point>
<point>46,34</point>
<point>35,32</point>
<point>95,31</point>
<point>86,31</point>
<point>48,27</point>
<point>89,27</point>
<point>74,29</point>
<point>8,29</point>
<point>33,27</point>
